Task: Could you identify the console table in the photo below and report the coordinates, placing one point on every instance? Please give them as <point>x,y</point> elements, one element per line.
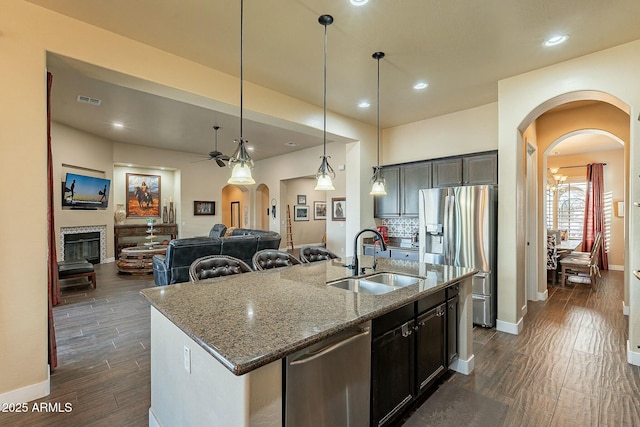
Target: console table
<point>128,235</point>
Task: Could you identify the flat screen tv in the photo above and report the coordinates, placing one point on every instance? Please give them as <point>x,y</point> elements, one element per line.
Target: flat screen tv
<point>85,192</point>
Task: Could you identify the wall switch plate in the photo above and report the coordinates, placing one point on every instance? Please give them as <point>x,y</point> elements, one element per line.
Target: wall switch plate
<point>187,359</point>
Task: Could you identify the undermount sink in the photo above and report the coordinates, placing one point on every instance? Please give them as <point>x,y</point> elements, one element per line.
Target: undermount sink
<point>376,284</point>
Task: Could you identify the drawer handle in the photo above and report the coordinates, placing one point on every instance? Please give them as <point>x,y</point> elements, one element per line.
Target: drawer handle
<point>406,330</point>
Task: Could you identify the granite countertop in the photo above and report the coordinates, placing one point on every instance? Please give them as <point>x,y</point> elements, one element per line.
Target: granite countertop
<point>249,320</point>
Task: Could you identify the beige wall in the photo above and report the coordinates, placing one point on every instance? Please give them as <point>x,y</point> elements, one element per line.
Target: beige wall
<point>304,232</point>
<point>467,131</point>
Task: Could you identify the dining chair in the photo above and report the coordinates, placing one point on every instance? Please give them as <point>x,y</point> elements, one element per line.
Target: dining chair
<point>552,257</point>
<point>316,253</point>
<point>215,266</point>
<point>578,269</point>
<point>271,258</point>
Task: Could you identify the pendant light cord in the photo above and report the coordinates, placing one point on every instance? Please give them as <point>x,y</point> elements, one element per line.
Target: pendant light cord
<point>378,122</point>
<point>324,95</point>
<point>241,64</point>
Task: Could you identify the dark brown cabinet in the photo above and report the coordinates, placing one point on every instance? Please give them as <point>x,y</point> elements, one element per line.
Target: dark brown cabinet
<point>389,205</point>
<point>404,181</point>
<point>447,172</point>
<point>392,373</point>
<point>430,346</point>
<point>413,178</point>
<point>408,354</point>
<point>480,169</point>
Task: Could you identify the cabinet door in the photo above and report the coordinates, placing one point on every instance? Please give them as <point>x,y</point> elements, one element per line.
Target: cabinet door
<point>480,169</point>
<point>413,178</point>
<point>447,172</point>
<point>430,346</point>
<point>389,205</point>
<point>452,329</point>
<point>392,374</point>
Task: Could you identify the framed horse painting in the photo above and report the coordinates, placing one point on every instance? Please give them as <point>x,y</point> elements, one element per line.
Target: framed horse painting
<point>143,195</point>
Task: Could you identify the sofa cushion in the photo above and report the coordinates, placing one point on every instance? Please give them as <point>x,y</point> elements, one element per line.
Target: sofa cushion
<point>242,247</point>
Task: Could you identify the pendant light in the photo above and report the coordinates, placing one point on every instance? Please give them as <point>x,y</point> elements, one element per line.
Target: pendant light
<point>241,163</point>
<point>378,181</point>
<point>325,173</point>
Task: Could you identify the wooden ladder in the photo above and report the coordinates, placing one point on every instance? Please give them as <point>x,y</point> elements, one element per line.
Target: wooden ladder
<point>289,232</point>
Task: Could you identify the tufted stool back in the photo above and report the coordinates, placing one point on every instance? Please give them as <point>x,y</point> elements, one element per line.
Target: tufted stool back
<point>271,258</point>
<point>218,230</point>
<point>216,266</point>
<point>316,253</point>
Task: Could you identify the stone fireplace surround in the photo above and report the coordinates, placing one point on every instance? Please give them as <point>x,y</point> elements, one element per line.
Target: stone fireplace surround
<point>102,229</point>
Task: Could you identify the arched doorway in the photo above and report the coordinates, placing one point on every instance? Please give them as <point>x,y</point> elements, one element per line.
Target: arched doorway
<point>263,208</point>
<point>563,120</point>
<point>236,204</point>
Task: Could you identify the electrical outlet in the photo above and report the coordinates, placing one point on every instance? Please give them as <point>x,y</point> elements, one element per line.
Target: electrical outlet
<point>187,359</point>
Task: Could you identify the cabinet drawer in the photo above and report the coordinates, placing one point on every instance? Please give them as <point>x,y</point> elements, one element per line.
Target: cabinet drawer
<point>431,301</point>
<point>405,254</point>
<point>369,250</point>
<point>453,290</point>
<point>389,321</point>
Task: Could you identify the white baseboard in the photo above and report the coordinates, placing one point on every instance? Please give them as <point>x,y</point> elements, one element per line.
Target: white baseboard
<point>616,267</point>
<point>625,309</point>
<point>543,296</point>
<point>525,309</point>
<point>464,367</point>
<point>633,357</point>
<point>28,393</point>
<point>510,328</point>
<point>109,260</point>
<point>153,422</point>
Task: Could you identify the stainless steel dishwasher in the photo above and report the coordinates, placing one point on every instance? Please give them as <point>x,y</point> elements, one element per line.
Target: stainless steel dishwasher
<point>327,384</point>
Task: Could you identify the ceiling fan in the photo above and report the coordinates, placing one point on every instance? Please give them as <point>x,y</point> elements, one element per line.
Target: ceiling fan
<point>217,155</point>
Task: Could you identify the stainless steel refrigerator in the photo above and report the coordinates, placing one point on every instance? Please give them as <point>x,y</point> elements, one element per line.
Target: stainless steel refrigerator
<point>458,227</point>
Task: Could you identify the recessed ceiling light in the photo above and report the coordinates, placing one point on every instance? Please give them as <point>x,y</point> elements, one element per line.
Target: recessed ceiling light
<point>291,144</point>
<point>364,104</point>
<point>421,85</point>
<point>118,125</point>
<point>249,148</point>
<point>556,40</point>
<point>358,2</point>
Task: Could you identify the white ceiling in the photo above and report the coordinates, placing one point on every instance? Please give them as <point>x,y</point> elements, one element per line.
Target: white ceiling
<point>461,47</point>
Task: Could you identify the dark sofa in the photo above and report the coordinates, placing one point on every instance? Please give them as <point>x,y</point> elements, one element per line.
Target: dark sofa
<point>242,244</point>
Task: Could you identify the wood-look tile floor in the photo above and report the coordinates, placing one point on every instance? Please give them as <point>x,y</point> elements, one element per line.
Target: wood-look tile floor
<point>567,368</point>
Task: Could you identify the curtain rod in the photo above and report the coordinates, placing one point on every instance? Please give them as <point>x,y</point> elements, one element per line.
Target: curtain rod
<point>576,166</point>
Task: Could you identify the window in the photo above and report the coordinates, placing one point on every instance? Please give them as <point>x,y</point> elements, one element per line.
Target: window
<point>570,213</point>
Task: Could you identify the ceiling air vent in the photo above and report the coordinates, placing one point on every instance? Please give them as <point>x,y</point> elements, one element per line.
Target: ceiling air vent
<point>89,100</point>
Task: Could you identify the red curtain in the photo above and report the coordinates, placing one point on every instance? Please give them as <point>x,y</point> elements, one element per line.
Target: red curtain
<point>53,285</point>
<point>594,211</point>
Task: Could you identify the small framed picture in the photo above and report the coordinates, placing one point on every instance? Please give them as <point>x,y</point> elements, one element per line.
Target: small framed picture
<point>300,213</point>
<point>204,208</point>
<point>302,199</point>
<point>338,209</point>
<point>319,210</point>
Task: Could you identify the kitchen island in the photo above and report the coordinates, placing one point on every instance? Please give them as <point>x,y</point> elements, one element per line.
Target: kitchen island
<point>217,346</point>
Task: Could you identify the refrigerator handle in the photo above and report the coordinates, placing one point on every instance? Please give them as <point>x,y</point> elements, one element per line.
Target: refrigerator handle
<point>448,229</point>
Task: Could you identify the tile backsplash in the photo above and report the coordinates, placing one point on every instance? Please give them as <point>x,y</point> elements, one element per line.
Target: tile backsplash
<point>401,226</point>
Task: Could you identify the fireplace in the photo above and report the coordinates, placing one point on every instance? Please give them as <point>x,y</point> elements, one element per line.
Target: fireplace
<point>81,246</point>
<point>88,242</point>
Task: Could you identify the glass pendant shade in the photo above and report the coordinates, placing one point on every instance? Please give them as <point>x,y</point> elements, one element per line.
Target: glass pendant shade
<point>377,183</point>
<point>241,164</point>
<point>325,176</point>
